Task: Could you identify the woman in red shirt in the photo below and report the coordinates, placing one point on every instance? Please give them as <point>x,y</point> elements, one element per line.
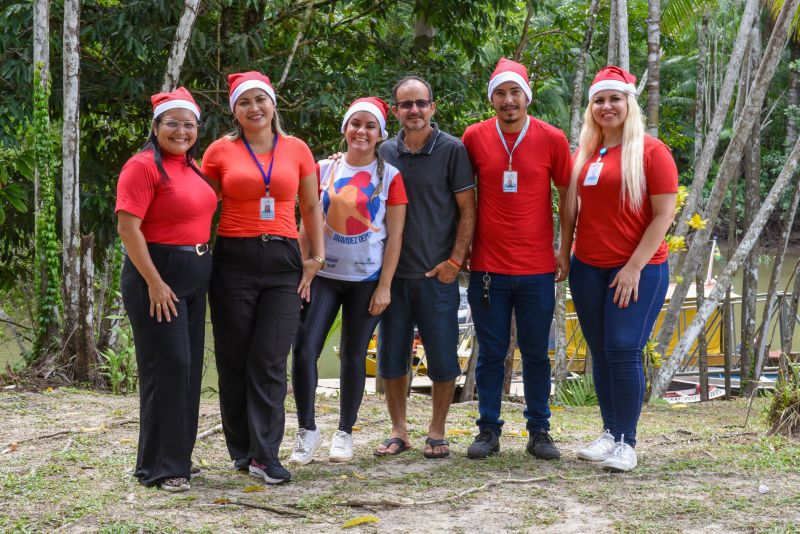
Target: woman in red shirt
<point>164,209</point>
<point>626,185</point>
<point>259,275</point>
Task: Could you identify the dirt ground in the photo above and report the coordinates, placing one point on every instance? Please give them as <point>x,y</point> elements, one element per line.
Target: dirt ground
<point>66,458</point>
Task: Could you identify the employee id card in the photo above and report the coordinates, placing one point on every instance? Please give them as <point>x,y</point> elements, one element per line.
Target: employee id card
<point>510,182</point>
<point>267,211</point>
<point>593,175</point>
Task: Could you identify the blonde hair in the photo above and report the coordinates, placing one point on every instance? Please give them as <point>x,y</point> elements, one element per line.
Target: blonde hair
<point>633,179</point>
<point>238,133</point>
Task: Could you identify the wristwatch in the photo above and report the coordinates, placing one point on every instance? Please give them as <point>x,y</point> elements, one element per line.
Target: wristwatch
<point>319,260</point>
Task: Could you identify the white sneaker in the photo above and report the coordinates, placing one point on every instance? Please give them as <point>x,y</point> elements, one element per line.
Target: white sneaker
<point>308,441</point>
<point>622,458</point>
<point>341,447</point>
<point>599,449</point>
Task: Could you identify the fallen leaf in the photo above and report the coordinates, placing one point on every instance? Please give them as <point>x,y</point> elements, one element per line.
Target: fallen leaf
<point>556,408</point>
<point>123,441</point>
<point>459,432</point>
<point>222,500</point>
<point>90,429</point>
<point>343,477</point>
<point>356,429</point>
<point>360,476</point>
<point>254,489</point>
<point>11,448</point>
<point>361,520</point>
<point>678,405</point>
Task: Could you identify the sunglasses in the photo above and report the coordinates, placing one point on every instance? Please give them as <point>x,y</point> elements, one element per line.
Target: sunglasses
<point>409,104</point>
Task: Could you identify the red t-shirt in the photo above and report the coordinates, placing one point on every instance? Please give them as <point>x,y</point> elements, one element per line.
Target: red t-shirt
<point>608,232</point>
<point>177,212</point>
<point>242,185</point>
<point>514,231</point>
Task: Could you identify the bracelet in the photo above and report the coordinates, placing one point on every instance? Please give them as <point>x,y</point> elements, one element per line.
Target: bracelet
<point>454,263</point>
<point>319,260</point>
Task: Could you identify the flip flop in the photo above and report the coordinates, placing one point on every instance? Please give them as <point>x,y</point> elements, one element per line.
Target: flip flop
<point>401,447</point>
<point>436,443</point>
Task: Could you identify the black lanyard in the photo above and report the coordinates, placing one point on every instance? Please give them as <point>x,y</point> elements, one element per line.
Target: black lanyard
<point>267,177</point>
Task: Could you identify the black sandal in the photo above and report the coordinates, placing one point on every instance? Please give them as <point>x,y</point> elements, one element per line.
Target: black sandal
<point>436,443</point>
<point>401,447</point>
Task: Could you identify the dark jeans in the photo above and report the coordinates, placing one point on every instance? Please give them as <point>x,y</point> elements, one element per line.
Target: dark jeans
<point>616,337</point>
<point>255,309</point>
<point>532,298</point>
<point>327,296</point>
<point>432,306</point>
<point>169,356</point>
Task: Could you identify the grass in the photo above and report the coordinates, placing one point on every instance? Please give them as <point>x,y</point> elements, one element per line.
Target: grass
<point>699,470</point>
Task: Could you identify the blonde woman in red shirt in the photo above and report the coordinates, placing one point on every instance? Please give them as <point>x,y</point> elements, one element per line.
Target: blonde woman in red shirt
<point>626,186</point>
<point>259,275</point>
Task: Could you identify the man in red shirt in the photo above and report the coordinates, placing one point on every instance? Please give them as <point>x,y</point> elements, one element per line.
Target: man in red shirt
<point>516,158</point>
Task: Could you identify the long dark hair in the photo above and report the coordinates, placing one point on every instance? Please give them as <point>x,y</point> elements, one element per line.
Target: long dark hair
<point>191,154</point>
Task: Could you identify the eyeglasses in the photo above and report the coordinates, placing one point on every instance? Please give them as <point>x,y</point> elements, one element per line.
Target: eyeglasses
<point>408,104</point>
<point>172,124</point>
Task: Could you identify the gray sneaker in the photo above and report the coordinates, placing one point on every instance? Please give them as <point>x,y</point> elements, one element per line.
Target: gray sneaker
<point>486,443</point>
<point>621,459</point>
<point>599,449</point>
<point>308,441</point>
<point>541,445</point>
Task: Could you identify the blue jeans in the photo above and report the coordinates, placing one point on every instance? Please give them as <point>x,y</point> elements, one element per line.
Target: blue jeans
<point>616,337</point>
<point>532,297</point>
<point>432,306</point>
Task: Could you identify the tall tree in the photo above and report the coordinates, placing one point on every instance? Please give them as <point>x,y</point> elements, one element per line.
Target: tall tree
<point>700,86</point>
<point>653,64</point>
<point>729,164</point>
<point>612,58</point>
<point>179,45</point>
<point>624,41</point>
<point>580,72</point>
<point>669,368</point>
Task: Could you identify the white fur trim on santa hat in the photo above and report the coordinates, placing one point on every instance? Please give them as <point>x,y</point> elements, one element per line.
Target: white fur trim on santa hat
<point>616,85</point>
<point>176,104</point>
<point>510,76</point>
<point>251,84</point>
<point>369,108</point>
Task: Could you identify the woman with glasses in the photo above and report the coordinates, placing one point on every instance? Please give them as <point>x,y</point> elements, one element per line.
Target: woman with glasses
<point>164,209</point>
<point>259,275</point>
<point>364,201</point>
<point>627,184</point>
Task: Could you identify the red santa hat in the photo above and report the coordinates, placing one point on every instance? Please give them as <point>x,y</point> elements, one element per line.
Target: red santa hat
<point>613,78</point>
<point>240,82</point>
<point>510,71</point>
<point>370,104</point>
<point>180,98</point>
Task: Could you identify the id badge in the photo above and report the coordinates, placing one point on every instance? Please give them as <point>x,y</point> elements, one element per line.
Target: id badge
<point>593,175</point>
<point>510,182</point>
<point>267,211</point>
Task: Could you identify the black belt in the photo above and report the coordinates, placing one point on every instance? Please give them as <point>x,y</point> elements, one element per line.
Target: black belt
<point>270,237</point>
<point>199,249</point>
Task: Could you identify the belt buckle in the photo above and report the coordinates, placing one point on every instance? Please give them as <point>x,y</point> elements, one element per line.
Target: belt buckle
<point>201,248</point>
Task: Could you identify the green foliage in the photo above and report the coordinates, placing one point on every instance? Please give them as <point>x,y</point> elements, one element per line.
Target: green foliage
<point>119,364</point>
<point>578,391</point>
<point>47,255</point>
<point>783,411</point>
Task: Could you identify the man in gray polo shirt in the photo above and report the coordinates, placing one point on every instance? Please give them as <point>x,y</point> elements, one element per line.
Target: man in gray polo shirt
<point>440,220</point>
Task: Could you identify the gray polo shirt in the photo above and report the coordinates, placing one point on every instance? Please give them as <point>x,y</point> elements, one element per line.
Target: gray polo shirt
<point>431,177</point>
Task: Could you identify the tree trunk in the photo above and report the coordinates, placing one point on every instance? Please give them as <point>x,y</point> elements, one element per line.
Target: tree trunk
<point>624,43</point>
<point>523,40</point>
<point>700,88</point>
<point>580,73</point>
<point>613,34</point>
<point>41,61</point>
<point>509,370</point>
<point>654,64</point>
<point>85,365</point>
<point>793,94</point>
<point>752,193</point>
<point>772,292</point>
<point>468,391</point>
<point>297,39</point>
<point>70,175</point>
<point>702,346</point>
<point>423,32</point>
<point>179,45</point>
<point>723,101</point>
<point>723,281</point>
<point>730,161</point>
<point>786,342</point>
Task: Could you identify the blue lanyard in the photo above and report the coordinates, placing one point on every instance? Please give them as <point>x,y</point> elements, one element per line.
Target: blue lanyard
<point>267,177</point>
<point>519,139</point>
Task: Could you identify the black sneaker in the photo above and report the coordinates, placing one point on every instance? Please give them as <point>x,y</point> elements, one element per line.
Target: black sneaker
<point>541,445</point>
<point>271,472</point>
<point>485,443</point>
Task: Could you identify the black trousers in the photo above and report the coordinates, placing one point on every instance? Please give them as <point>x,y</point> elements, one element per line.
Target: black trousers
<point>255,309</point>
<point>327,296</point>
<point>170,360</point>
